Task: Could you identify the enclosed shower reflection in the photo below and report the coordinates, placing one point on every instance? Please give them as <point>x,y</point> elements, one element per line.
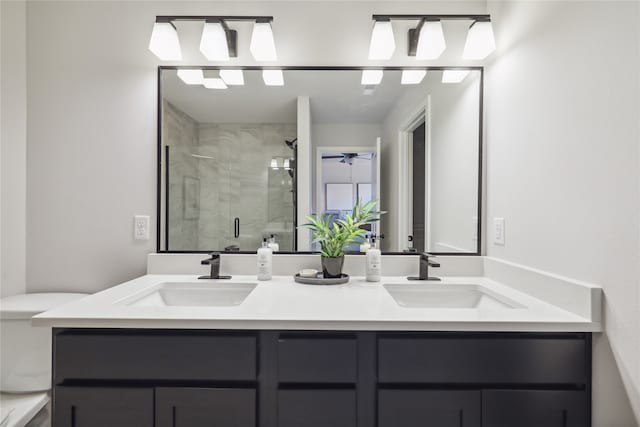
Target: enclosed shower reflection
<point>228,185</point>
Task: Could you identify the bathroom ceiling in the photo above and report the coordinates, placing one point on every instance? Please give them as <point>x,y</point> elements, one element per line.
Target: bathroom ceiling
<point>335,97</point>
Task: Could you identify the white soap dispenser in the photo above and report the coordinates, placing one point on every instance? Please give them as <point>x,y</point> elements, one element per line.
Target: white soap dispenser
<point>265,261</point>
<point>374,263</point>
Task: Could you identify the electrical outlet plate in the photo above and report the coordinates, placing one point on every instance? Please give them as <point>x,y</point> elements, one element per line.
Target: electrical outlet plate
<point>141,227</point>
<point>498,231</point>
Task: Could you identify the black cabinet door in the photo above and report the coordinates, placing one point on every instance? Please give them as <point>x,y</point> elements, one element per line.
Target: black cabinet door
<point>429,408</point>
<point>198,407</point>
<point>327,358</point>
<point>155,356</point>
<point>481,358</point>
<point>103,407</point>
<point>317,408</point>
<point>534,408</point>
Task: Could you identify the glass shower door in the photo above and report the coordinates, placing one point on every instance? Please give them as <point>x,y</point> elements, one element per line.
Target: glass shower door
<point>225,192</point>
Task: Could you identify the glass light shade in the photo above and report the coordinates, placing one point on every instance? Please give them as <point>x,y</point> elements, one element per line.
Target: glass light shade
<point>274,163</point>
<point>273,77</point>
<point>287,164</point>
<point>214,83</point>
<point>232,77</point>
<point>382,43</point>
<point>164,42</point>
<point>454,76</point>
<point>213,43</point>
<point>371,77</point>
<point>431,42</point>
<point>480,41</point>
<point>412,77</point>
<point>191,77</point>
<point>262,45</point>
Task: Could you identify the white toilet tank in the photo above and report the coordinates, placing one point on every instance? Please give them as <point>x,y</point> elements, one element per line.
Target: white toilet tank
<point>25,351</point>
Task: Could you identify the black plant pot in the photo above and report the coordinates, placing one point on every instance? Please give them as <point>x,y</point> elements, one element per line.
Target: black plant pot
<point>332,266</point>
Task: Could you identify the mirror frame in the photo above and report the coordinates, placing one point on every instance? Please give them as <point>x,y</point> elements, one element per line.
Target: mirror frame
<point>480,209</point>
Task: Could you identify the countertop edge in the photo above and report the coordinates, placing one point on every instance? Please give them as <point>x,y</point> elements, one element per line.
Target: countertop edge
<point>322,325</point>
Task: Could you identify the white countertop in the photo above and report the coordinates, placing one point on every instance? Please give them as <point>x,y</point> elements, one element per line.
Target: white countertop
<point>21,408</point>
<point>283,304</point>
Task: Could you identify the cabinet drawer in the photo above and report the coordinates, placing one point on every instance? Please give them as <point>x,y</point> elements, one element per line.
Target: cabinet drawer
<point>220,407</point>
<point>102,407</point>
<point>417,408</point>
<point>487,359</point>
<point>321,359</point>
<point>534,408</point>
<point>146,355</point>
<point>317,408</point>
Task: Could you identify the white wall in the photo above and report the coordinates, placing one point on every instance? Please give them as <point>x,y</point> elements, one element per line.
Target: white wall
<point>304,174</point>
<point>453,165</point>
<point>13,135</point>
<point>345,134</point>
<point>563,117</point>
<point>405,110</point>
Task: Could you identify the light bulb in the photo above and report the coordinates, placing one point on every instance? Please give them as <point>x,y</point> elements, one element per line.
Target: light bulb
<point>263,45</point>
<point>164,42</point>
<point>371,77</point>
<point>454,76</point>
<point>214,83</point>
<point>412,77</point>
<point>191,77</point>
<point>232,77</point>
<point>273,77</point>
<point>431,42</point>
<point>480,41</point>
<point>213,43</point>
<point>382,43</point>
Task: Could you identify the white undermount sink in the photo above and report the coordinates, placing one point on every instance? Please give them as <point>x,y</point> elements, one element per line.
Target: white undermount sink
<point>447,296</point>
<point>196,294</point>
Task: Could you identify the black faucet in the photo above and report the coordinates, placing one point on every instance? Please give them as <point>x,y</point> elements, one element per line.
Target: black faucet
<point>425,263</point>
<point>214,262</point>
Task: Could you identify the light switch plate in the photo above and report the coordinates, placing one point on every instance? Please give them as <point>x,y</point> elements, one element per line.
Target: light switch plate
<point>141,227</point>
<point>498,231</point>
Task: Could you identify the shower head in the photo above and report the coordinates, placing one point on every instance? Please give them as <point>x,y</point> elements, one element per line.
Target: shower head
<point>292,144</point>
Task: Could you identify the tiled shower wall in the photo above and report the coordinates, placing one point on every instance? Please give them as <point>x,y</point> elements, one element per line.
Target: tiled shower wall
<point>232,177</point>
<point>180,133</point>
<point>238,183</point>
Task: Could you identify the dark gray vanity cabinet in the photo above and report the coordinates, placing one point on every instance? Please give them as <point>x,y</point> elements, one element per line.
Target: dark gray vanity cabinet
<point>193,378</point>
<point>417,408</point>
<point>534,408</point>
<point>103,406</point>
<point>317,408</point>
<point>316,379</point>
<point>197,406</point>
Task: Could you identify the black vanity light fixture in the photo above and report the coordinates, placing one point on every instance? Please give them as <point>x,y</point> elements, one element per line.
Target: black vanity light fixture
<point>218,41</point>
<point>426,41</point>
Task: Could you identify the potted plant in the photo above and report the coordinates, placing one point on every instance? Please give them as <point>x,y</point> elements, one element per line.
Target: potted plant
<point>334,234</point>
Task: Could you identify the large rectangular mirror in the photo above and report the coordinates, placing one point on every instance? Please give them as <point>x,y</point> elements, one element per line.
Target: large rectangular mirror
<point>242,162</point>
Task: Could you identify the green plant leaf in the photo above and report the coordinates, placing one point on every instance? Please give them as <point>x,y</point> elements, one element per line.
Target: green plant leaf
<point>333,236</point>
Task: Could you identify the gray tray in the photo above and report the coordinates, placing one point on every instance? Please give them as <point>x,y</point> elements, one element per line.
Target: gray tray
<point>320,280</point>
